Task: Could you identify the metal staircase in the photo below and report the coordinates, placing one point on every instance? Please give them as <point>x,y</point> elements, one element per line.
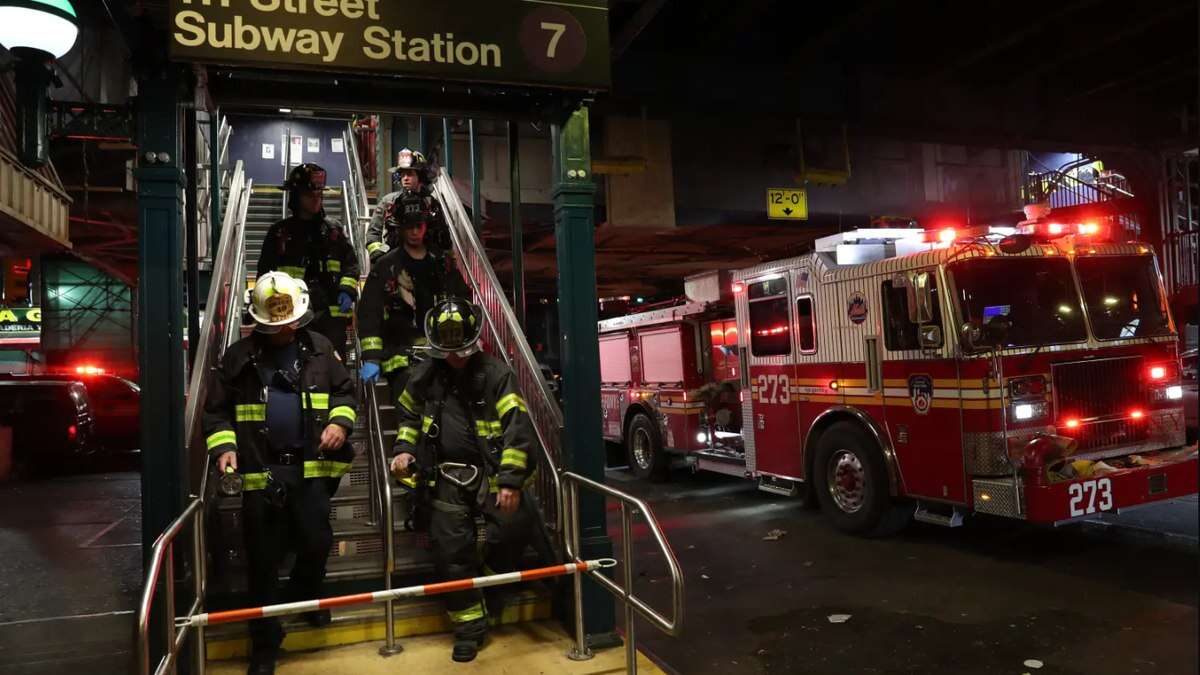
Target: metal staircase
<point>1078,190</point>
<point>367,515</point>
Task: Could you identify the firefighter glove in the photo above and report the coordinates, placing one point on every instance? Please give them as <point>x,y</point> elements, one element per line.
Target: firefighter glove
<point>370,371</point>
<point>345,302</point>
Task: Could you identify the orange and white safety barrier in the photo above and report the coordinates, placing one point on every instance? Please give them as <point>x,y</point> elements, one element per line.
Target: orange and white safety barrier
<point>235,615</point>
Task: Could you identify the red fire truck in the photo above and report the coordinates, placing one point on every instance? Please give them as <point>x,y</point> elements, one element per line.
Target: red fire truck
<point>898,373</point>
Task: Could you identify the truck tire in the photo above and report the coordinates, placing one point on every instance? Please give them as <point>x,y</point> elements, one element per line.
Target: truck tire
<point>851,482</point>
<point>644,447</point>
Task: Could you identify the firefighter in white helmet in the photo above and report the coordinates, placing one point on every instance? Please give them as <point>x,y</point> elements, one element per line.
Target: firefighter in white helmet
<point>279,410</point>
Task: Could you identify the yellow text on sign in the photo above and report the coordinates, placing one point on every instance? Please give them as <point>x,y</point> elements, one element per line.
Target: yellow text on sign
<point>787,204</point>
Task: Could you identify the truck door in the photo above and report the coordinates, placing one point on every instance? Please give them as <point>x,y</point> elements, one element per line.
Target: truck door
<point>772,373</point>
<point>921,392</point>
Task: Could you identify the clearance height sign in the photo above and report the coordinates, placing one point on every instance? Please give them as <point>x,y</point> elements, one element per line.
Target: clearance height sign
<point>528,42</point>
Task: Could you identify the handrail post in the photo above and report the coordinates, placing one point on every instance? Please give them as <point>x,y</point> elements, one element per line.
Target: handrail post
<point>579,652</point>
<point>627,563</point>
<point>169,608</point>
<point>199,583</point>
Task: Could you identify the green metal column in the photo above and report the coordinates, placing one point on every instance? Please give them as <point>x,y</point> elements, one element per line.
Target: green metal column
<point>160,309</point>
<point>514,212</point>
<point>161,316</point>
<point>447,147</point>
<point>476,199</point>
<point>574,232</point>
<point>214,179</point>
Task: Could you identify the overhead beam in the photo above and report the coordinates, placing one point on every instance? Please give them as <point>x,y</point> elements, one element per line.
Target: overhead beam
<point>634,27</point>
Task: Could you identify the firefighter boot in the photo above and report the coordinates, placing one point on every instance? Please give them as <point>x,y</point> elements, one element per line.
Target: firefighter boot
<point>262,662</point>
<point>468,640</point>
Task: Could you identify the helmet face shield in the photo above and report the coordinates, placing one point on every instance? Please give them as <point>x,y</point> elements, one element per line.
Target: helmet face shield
<point>453,327</point>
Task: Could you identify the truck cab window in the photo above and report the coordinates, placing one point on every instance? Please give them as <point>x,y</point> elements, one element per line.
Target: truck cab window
<point>899,333</point>
<point>804,324</point>
<point>769,332</point>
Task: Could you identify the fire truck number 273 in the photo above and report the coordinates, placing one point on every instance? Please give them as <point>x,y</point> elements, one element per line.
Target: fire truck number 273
<point>774,389</point>
<point>1084,497</point>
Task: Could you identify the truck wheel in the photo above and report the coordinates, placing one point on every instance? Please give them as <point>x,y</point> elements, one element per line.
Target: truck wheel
<point>646,457</point>
<point>851,482</point>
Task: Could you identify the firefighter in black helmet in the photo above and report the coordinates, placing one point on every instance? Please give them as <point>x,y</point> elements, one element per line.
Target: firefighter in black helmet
<point>476,465</point>
<point>309,245</point>
<point>411,200</point>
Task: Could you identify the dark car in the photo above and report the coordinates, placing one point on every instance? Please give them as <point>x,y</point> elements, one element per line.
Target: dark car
<point>115,404</point>
<point>51,421</point>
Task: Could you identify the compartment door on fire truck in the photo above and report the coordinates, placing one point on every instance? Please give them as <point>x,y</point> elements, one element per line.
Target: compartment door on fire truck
<point>921,390</point>
<point>772,373</point>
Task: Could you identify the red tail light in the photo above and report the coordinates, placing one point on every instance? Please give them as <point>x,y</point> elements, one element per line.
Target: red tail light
<point>1072,423</point>
<point>72,432</point>
<point>1136,414</point>
<point>738,287</point>
<point>1158,372</point>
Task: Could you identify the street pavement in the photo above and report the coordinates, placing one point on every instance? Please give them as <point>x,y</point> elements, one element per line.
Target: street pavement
<point>70,573</point>
<point>995,596</point>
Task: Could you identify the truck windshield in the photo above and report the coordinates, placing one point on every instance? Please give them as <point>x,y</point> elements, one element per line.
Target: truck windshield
<point>1123,297</point>
<point>1036,295</point>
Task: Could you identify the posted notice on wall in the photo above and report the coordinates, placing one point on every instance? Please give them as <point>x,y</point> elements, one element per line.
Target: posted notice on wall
<point>314,145</point>
<point>337,145</point>
<point>297,156</point>
<point>268,151</point>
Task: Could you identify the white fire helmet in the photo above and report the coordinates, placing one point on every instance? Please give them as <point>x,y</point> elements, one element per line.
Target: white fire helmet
<point>278,300</point>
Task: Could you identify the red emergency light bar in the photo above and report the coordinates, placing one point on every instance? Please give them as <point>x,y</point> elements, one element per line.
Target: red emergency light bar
<point>88,370</point>
<point>1054,230</point>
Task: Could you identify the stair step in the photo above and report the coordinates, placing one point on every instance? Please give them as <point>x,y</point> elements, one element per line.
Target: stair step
<point>938,515</point>
<point>411,617</point>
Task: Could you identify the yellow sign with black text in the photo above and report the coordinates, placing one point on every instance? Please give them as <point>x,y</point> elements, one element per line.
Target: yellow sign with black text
<point>787,203</point>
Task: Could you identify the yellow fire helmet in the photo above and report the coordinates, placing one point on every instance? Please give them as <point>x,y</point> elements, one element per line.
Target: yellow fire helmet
<point>453,326</point>
<point>277,300</point>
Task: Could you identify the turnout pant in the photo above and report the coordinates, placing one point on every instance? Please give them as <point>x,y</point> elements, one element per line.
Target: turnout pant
<point>454,536</point>
<point>397,378</point>
<point>302,525</point>
<point>334,328</point>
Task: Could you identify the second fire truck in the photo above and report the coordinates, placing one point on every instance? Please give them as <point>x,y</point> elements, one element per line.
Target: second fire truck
<point>1031,374</point>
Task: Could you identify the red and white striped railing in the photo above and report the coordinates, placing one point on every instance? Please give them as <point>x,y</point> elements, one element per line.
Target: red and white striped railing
<point>236,615</point>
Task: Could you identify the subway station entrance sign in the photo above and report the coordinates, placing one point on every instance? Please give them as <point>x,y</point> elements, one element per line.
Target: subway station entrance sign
<point>521,42</point>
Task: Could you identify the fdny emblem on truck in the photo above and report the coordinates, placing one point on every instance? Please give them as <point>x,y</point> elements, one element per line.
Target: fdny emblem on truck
<point>920,391</point>
<point>856,308</point>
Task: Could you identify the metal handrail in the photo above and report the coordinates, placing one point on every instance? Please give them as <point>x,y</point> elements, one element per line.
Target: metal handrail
<point>222,320</point>
<point>503,329</point>
<point>359,181</point>
<point>162,557</point>
<point>381,486</point>
<point>630,506</point>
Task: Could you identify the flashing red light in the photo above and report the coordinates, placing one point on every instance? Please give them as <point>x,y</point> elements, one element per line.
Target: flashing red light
<point>88,370</point>
<point>738,287</point>
<point>1072,423</point>
<point>777,330</point>
<point>1056,228</point>
<point>947,235</point>
<point>72,432</point>
<point>1088,229</point>
<point>1158,372</point>
<point>1136,414</point>
<point>833,384</point>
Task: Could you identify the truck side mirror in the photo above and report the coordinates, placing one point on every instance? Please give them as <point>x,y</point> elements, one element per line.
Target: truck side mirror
<point>920,297</point>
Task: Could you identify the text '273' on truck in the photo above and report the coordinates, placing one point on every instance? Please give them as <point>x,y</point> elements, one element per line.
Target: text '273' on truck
<point>1029,373</point>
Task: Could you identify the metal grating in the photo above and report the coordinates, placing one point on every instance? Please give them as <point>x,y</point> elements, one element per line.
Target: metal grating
<point>1110,433</point>
<point>1100,388</point>
<point>998,497</point>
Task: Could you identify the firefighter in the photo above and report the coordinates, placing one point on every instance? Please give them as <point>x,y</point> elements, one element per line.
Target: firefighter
<point>465,448</point>
<point>310,246</point>
<point>280,407</point>
<point>403,285</point>
<point>414,200</point>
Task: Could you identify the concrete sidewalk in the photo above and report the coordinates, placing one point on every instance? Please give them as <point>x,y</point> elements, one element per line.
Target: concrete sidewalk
<point>1175,522</point>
